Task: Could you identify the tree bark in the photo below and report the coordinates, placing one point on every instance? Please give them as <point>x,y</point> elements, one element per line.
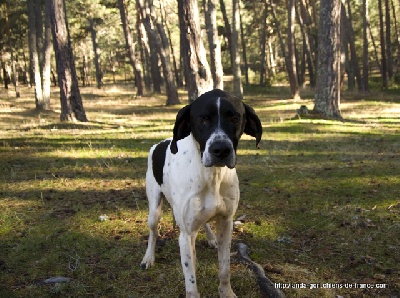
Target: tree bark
<point>34,55</point>
<point>70,97</point>
<point>263,41</point>
<point>228,30</point>
<point>291,60</point>
<point>396,29</point>
<point>156,32</point>
<point>244,50</point>
<point>130,46</point>
<point>347,17</point>
<point>327,95</point>
<point>213,43</point>
<point>145,57</point>
<point>304,20</point>
<point>383,46</point>
<point>237,74</point>
<point>96,51</point>
<point>197,71</point>
<point>365,46</point>
<point>46,71</point>
<point>166,24</point>
<point>389,57</point>
<point>14,72</point>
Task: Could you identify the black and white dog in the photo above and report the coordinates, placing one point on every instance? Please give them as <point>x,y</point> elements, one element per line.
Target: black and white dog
<point>195,171</point>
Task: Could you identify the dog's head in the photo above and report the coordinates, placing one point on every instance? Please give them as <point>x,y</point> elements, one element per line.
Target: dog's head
<point>216,120</point>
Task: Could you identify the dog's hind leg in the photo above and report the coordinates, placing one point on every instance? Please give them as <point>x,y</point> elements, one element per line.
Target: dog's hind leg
<point>155,211</point>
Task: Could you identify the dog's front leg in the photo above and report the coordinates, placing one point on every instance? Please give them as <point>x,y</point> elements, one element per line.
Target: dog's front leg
<point>224,237</point>
<point>188,260</point>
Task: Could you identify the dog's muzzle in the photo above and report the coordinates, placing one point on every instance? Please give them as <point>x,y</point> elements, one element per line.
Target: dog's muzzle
<point>219,152</point>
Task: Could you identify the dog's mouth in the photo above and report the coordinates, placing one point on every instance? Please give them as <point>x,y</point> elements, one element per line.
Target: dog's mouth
<point>212,159</point>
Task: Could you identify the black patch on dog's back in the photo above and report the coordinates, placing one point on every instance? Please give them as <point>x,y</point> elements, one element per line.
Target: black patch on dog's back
<point>158,157</point>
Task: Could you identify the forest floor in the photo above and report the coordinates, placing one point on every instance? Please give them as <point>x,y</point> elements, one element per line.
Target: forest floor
<point>321,199</point>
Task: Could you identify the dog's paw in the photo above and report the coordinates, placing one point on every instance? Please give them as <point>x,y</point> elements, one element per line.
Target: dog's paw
<point>147,262</point>
<point>226,293</point>
<point>212,243</point>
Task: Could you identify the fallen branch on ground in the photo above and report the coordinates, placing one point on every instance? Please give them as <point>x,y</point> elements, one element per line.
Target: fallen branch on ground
<point>266,285</point>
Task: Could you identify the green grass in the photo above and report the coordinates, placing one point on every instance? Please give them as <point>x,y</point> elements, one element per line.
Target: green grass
<point>321,198</point>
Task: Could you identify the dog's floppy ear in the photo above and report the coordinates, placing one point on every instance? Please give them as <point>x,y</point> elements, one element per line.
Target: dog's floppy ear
<point>181,128</point>
<point>253,124</point>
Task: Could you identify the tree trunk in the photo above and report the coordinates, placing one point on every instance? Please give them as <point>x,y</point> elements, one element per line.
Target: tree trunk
<point>46,71</point>
<point>347,18</point>
<point>34,55</point>
<point>237,74</point>
<point>165,23</point>
<point>70,97</point>
<point>96,51</point>
<point>304,20</point>
<point>144,49</point>
<point>156,32</point>
<point>396,29</point>
<point>228,30</point>
<point>327,94</point>
<point>213,43</point>
<point>388,41</point>
<point>130,46</point>
<point>197,71</point>
<point>244,51</point>
<point>365,45</point>
<point>375,48</point>
<point>383,46</point>
<point>14,72</point>
<point>282,45</point>
<point>263,40</point>
<point>291,67</point>
<point>6,75</point>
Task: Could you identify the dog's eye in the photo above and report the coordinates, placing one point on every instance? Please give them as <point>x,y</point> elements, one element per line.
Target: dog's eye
<point>203,119</point>
<point>235,119</point>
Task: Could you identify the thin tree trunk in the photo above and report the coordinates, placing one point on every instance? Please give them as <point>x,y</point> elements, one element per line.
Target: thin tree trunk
<point>244,51</point>
<point>156,31</point>
<point>213,43</point>
<point>282,45</point>
<point>375,48</point>
<point>197,71</point>
<point>130,46</point>
<point>70,97</point>
<point>144,51</point>
<point>396,29</point>
<point>6,76</point>
<point>37,7</point>
<point>350,37</point>
<point>291,67</point>
<point>383,46</point>
<point>304,20</point>
<point>237,74</point>
<point>388,41</point>
<point>228,30</point>
<point>14,72</point>
<point>46,71</point>
<point>263,40</point>
<point>165,22</point>
<point>327,95</point>
<point>34,55</point>
<point>365,45</point>
<point>96,51</point>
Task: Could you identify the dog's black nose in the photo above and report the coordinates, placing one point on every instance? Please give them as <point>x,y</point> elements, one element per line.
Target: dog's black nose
<point>220,149</point>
